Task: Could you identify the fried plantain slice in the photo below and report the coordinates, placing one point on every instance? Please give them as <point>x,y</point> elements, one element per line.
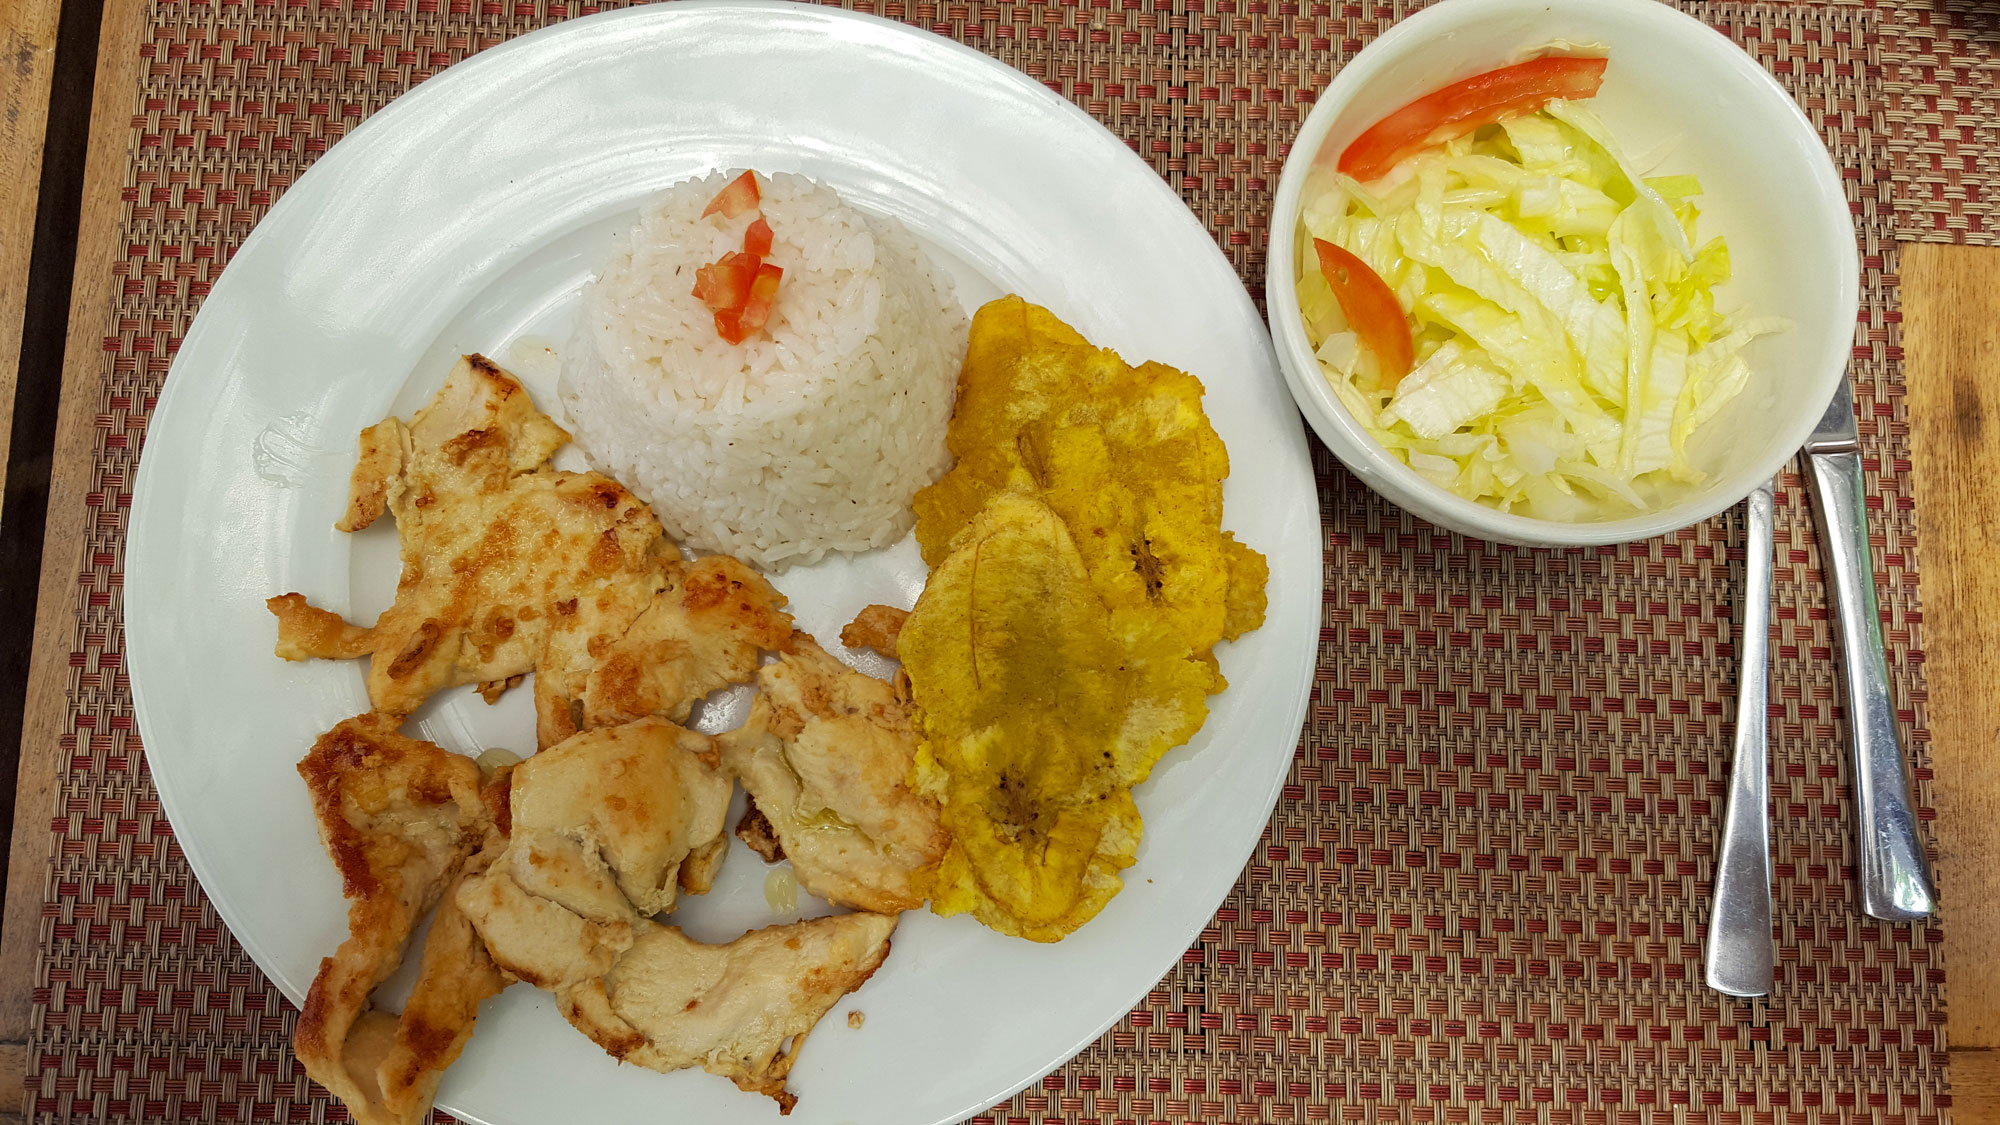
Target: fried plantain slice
<point>1244,604</point>
<point>1080,583</point>
<point>1027,735</point>
<point>1124,455</point>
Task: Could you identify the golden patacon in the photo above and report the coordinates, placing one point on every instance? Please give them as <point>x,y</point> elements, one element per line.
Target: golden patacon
<point>1124,455</point>
<point>1080,582</point>
<point>1022,701</point>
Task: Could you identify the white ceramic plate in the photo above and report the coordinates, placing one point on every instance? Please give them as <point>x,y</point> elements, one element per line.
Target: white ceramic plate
<point>465,217</point>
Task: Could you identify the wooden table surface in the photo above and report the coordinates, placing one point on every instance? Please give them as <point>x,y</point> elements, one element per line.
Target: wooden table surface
<point>1951,341</point>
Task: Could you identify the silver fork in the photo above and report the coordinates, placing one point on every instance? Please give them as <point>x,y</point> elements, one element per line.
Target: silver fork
<point>1740,951</point>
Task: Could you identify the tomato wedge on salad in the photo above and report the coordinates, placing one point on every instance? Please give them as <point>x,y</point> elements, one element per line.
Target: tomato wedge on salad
<point>1464,106</point>
<point>1371,309</point>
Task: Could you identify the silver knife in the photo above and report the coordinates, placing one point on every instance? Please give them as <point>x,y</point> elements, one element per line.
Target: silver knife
<point>1895,874</point>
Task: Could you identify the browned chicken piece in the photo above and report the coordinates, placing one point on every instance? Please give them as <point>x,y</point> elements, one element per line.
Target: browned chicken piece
<point>305,631</point>
<point>455,976</point>
<point>588,839</point>
<point>398,818</point>
<point>701,634</point>
<point>511,567</point>
<point>876,627</point>
<point>537,940</point>
<point>508,566</point>
<point>605,822</point>
<point>453,979</point>
<point>606,826</point>
<point>826,756</point>
<point>754,829</point>
<point>740,1010</point>
<point>379,462</point>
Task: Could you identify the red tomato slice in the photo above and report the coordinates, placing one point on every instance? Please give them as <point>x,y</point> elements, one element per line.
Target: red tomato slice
<point>741,195</point>
<point>1461,107</point>
<point>726,284</point>
<point>762,291</point>
<point>1371,309</point>
<point>757,239</point>
<point>729,325</point>
<point>722,285</point>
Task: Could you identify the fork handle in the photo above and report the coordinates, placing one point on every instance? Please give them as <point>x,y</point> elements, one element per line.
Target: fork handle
<point>1895,873</point>
<point>1740,953</point>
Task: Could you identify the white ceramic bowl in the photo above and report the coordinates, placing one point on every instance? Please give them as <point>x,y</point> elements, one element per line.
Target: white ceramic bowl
<point>1769,187</point>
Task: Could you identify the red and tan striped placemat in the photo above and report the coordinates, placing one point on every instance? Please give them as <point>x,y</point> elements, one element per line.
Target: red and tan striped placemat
<point>1482,895</point>
<point>1941,72</point>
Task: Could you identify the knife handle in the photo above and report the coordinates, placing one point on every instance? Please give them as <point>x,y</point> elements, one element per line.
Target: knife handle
<point>1895,874</point>
<point>1740,951</point>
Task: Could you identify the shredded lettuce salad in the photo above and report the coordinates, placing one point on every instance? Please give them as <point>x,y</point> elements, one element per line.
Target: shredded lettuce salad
<point>1567,339</point>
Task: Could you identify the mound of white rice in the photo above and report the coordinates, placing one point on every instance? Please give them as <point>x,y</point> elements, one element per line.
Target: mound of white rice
<point>809,437</point>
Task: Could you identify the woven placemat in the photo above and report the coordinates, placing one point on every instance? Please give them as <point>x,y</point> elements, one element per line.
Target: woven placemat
<point>1941,73</point>
<point>1482,895</point>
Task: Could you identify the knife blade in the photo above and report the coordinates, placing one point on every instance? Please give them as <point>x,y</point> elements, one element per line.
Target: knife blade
<point>1894,872</point>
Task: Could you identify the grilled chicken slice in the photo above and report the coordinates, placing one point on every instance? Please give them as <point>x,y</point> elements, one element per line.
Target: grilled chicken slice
<point>703,633</point>
<point>605,822</point>
<point>535,939</point>
<point>825,755</point>
<point>508,566</point>
<point>877,627</point>
<point>453,979</point>
<point>398,817</point>
<point>740,1010</point>
<point>511,567</point>
<point>606,828</point>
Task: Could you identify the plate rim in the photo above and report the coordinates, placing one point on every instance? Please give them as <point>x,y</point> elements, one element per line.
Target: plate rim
<point>436,93</point>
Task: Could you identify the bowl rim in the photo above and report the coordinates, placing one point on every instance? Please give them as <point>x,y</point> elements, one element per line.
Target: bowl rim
<point>1389,475</point>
